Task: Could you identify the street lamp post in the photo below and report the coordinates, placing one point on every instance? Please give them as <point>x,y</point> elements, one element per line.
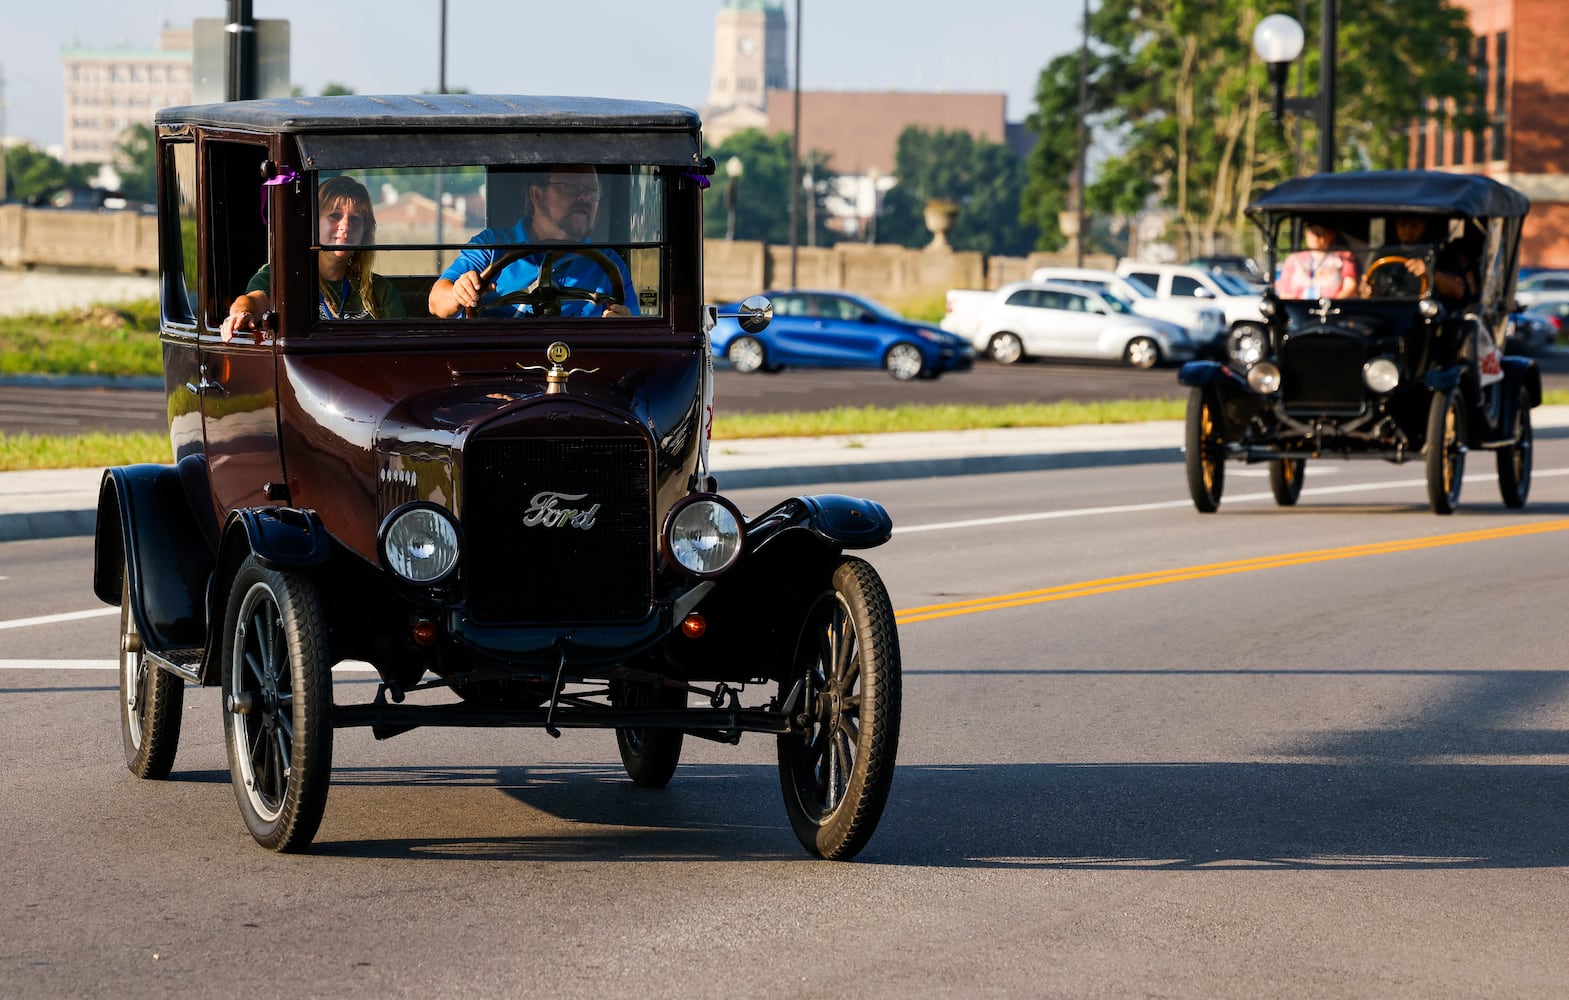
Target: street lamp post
<point>733,171</point>
<point>1278,41</point>
<point>873,175</point>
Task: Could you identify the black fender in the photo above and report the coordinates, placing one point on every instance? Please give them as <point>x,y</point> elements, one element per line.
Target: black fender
<point>838,521</point>
<point>1199,374</point>
<point>1444,379</point>
<point>282,538</point>
<point>1524,374</point>
<point>148,527</point>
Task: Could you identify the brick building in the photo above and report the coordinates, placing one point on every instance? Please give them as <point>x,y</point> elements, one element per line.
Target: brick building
<point>109,90</point>
<point>1525,142</point>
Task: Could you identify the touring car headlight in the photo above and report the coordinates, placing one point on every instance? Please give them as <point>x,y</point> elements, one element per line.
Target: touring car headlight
<point>1381,374</point>
<point>419,542</point>
<point>1267,306</point>
<point>703,535</point>
<point>1429,308</point>
<point>1264,378</point>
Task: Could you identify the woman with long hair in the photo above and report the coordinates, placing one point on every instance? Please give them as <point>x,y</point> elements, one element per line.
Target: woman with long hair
<point>347,287</point>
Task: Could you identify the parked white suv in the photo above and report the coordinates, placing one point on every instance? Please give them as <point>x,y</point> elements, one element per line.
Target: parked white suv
<point>1238,300</point>
<point>1060,320</point>
<point>1206,324</point>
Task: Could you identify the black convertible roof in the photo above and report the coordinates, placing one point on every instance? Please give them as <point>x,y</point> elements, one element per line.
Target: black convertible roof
<point>1408,192</point>
<point>350,131</point>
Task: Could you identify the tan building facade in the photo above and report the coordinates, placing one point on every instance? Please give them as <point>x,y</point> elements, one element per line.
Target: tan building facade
<point>109,90</point>
<point>750,42</point>
<point>1525,143</point>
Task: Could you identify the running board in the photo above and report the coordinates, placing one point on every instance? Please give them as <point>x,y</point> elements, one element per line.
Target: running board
<point>186,663</point>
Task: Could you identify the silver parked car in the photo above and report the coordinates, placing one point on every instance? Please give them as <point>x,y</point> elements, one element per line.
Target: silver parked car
<point>1060,320</point>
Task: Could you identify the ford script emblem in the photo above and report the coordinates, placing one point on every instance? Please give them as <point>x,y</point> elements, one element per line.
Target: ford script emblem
<point>545,510</point>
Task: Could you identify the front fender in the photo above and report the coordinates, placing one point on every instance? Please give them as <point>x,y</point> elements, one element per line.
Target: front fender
<point>148,529</point>
<point>1198,374</point>
<point>838,521</point>
<point>283,538</point>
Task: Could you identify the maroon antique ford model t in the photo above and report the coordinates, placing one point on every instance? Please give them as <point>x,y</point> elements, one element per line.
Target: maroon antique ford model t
<point>502,504</point>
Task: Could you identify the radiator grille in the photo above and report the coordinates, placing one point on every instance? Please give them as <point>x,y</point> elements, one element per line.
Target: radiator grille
<point>528,560</point>
<point>1322,373</point>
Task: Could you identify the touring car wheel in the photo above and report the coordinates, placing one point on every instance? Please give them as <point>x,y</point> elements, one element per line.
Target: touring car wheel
<point>151,700</point>
<point>277,705</point>
<point>1514,462</point>
<point>1006,348</point>
<point>903,361</point>
<point>1285,479</point>
<point>836,776</point>
<point>1204,452</point>
<point>1141,352</point>
<point>1445,451</point>
<point>649,755</point>
<point>746,355</point>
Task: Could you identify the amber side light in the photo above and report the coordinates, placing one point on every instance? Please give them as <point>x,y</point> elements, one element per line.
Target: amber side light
<point>424,632</point>
<point>693,626</point>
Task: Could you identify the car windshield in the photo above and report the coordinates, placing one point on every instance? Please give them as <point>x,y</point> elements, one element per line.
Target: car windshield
<point>878,309</point>
<point>1232,284</point>
<point>417,226</point>
<point>1139,288</point>
<point>1117,303</point>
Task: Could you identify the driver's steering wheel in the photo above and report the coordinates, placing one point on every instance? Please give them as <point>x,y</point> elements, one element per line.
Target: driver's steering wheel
<point>546,296</point>
<point>1395,281</point>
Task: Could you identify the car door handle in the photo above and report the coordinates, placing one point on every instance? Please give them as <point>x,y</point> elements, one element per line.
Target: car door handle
<point>200,388</point>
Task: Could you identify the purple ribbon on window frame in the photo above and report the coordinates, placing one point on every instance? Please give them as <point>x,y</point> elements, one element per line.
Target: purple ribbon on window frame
<point>283,176</point>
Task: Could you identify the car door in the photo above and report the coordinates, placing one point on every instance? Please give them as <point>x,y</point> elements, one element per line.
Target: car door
<point>838,334</point>
<point>1032,314</point>
<point>1083,319</point>
<point>785,336</point>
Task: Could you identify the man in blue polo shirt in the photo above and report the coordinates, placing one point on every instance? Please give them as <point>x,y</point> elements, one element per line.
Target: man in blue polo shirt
<point>561,208</point>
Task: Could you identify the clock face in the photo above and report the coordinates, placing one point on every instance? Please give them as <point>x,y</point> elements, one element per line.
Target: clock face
<point>748,45</point>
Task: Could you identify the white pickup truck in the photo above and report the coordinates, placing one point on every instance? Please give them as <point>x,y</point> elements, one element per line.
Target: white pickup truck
<point>1235,297</point>
<point>963,311</point>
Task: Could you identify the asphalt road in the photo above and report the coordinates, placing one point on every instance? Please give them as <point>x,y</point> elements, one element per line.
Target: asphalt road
<point>66,410</point>
<point>1318,751</point>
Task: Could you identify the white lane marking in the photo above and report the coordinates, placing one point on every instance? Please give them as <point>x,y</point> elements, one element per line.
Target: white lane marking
<point>68,616</point>
<point>1133,508</point>
<point>346,667</point>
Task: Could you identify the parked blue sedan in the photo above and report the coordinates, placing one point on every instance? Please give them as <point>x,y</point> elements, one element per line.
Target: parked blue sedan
<point>839,330</point>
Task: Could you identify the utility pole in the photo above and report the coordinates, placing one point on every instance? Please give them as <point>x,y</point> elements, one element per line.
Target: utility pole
<point>2,135</point>
<point>240,82</point>
<point>795,150</point>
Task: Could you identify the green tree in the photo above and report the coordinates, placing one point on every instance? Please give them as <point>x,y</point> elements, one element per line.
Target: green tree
<point>984,179</point>
<point>763,190</point>
<point>31,174</point>
<point>1175,86</point>
<point>136,160</point>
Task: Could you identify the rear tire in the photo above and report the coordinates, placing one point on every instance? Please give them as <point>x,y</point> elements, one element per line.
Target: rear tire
<point>1514,462</point>
<point>151,700</point>
<point>1445,451</point>
<point>1204,452</point>
<point>746,355</point>
<point>1285,479</point>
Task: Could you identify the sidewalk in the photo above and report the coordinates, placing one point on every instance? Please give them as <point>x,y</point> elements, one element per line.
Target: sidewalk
<point>62,502</point>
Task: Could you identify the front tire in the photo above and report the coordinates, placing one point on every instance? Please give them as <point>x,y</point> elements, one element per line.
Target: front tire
<point>277,705</point>
<point>1142,353</point>
<point>903,361</point>
<point>1285,479</point>
<point>649,755</point>
<point>1514,462</point>
<point>1006,348</point>
<point>836,777</point>
<point>1204,452</point>
<point>1445,451</point>
<point>746,355</point>
<point>151,700</point>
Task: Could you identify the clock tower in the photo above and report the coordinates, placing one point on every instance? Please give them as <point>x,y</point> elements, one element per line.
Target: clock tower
<point>749,54</point>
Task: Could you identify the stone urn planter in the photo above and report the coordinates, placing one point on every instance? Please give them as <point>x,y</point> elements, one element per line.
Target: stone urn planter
<point>940,213</point>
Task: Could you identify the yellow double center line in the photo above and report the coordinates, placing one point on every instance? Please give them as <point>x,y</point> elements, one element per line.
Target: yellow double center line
<point>1115,583</point>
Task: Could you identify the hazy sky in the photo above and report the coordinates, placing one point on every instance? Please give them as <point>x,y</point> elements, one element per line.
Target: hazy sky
<point>658,50</point>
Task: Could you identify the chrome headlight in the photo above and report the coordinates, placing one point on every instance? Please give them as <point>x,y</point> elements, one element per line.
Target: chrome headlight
<point>1247,345</point>
<point>1429,307</point>
<point>703,535</point>
<point>1381,374</point>
<point>1264,378</point>
<point>1268,306</point>
<point>419,542</point>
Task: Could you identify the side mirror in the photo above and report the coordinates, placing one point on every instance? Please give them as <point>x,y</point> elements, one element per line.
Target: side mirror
<point>756,312</point>
<point>1203,293</point>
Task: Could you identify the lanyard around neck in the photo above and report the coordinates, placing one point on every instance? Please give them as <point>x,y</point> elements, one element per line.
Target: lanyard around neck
<point>343,298</point>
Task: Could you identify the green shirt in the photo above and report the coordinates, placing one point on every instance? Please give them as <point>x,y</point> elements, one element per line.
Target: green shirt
<point>342,302</point>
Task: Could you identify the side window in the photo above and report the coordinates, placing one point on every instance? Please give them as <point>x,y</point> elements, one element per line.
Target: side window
<point>1181,284</point>
<point>789,305</point>
<point>236,221</point>
<point>1023,297</point>
<point>1150,278</point>
<point>177,221</point>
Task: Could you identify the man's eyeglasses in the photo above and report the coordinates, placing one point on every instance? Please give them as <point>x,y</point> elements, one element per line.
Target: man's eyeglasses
<point>576,191</point>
